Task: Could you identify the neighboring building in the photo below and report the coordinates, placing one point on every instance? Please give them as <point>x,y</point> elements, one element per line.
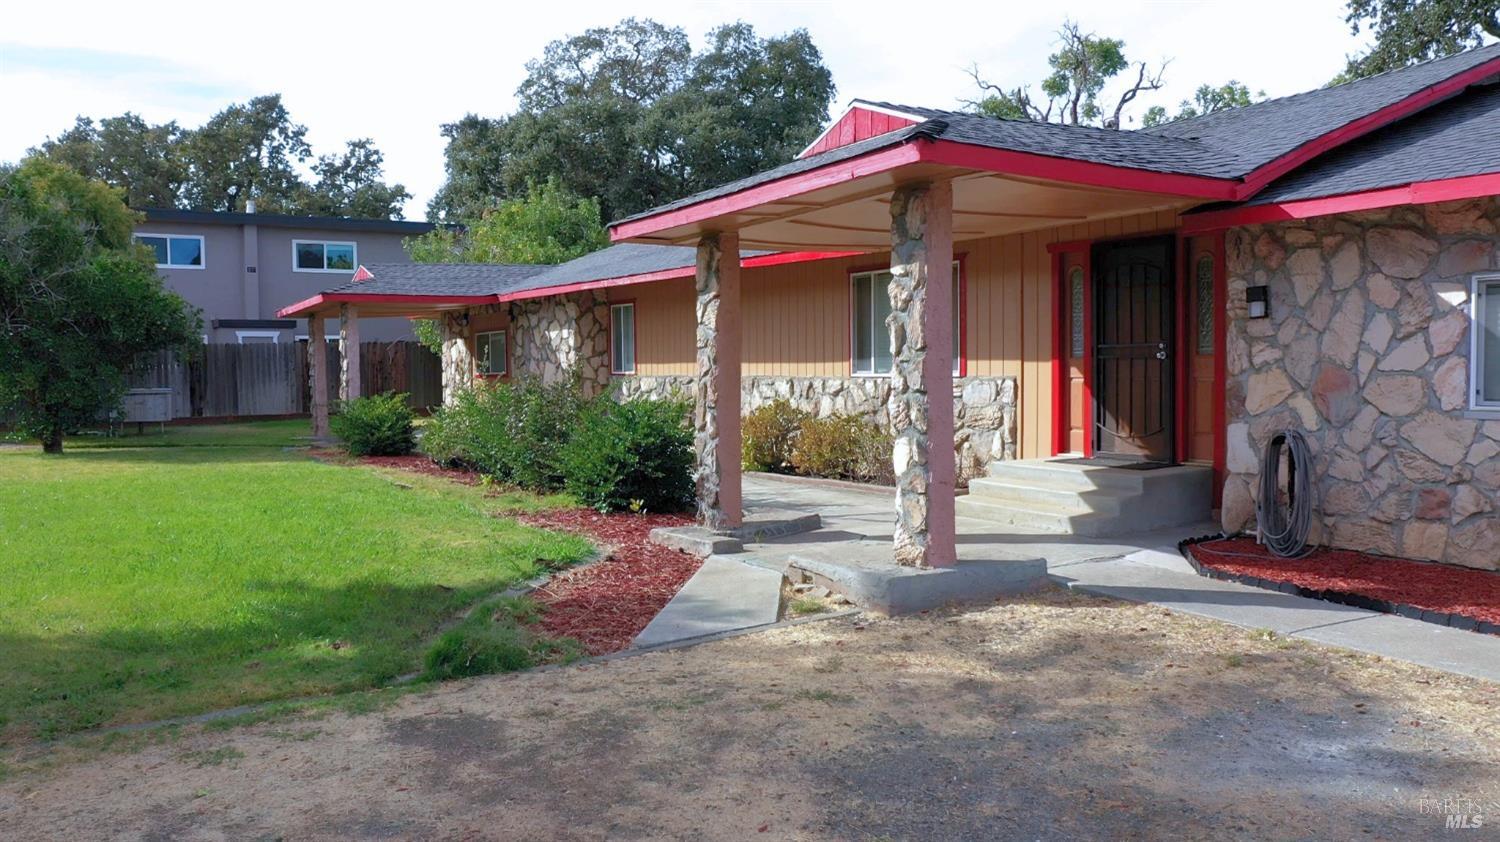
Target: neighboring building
<point>1327,262</point>
<point>239,267</point>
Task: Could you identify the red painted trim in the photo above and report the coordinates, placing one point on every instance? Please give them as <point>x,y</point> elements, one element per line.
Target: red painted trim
<point>784,257</point>
<point>1256,180</point>
<point>609,336</point>
<point>1417,193</point>
<point>1059,351</point>
<point>1221,366</point>
<point>857,123</point>
<point>828,175</point>
<point>308,305</point>
<point>1088,351</point>
<point>1181,359</point>
<point>362,274</point>
<point>1075,172</point>
<point>778,259</point>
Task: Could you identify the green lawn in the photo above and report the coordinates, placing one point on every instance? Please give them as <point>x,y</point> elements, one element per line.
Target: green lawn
<point>143,578</point>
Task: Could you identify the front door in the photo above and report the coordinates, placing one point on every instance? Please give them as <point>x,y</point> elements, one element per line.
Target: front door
<point>1133,389</point>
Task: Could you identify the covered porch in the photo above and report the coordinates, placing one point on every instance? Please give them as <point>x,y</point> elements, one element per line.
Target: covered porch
<point>915,195</point>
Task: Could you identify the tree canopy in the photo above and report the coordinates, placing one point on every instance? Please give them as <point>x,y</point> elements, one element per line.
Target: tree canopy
<point>248,150</point>
<point>79,300</point>
<point>631,115</point>
<point>1084,65</point>
<point>547,225</point>
<point>1206,100</point>
<point>1409,31</point>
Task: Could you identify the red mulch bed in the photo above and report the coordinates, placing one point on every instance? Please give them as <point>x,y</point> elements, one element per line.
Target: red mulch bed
<point>1431,587</point>
<point>606,604</point>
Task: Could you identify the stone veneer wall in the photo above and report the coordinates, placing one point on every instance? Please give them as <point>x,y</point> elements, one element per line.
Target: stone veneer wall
<point>984,408</point>
<point>555,336</point>
<point>1367,351</point>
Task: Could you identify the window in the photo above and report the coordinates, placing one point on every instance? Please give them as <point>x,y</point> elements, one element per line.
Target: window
<point>174,251</point>
<point>871,337</point>
<point>318,256</point>
<point>1203,277</point>
<point>491,348</point>
<point>1485,368</point>
<point>622,338</point>
<point>258,337</point>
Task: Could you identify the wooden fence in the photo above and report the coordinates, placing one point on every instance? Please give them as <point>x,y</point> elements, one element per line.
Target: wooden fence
<point>272,379</point>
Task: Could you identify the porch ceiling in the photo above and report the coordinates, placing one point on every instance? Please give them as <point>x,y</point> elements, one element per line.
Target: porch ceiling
<point>855,215</point>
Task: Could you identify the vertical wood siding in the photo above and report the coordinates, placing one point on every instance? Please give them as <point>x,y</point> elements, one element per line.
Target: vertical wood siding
<point>796,319</point>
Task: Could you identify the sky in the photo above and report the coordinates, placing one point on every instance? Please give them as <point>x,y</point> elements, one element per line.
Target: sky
<point>396,72</point>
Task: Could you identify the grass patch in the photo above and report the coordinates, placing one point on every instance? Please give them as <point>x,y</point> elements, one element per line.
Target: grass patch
<point>161,576</point>
<point>804,605</point>
<point>825,696</point>
<point>498,636</point>
<point>213,757</point>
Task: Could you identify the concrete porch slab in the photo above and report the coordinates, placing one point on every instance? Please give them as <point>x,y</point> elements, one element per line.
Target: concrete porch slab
<point>866,573</point>
<point>724,595</point>
<point>759,526</point>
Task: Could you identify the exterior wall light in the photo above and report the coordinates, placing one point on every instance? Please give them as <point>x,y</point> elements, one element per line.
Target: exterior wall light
<point>1259,301</point>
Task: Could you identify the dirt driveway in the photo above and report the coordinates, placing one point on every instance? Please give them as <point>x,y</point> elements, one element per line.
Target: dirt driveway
<point>1052,717</point>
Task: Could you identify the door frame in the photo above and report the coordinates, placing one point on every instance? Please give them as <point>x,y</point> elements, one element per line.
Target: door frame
<point>1182,321</point>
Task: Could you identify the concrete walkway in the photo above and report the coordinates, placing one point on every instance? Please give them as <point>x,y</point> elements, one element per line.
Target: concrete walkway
<point>1139,568</point>
<point>724,595</point>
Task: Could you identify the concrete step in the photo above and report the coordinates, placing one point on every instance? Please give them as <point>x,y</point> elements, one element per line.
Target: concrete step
<point>1062,495</point>
<point>1033,516</point>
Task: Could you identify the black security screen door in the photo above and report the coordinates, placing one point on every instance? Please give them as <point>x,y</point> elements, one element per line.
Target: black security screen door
<point>1133,395</point>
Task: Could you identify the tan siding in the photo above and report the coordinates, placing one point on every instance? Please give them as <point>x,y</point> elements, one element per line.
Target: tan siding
<point>796,316</point>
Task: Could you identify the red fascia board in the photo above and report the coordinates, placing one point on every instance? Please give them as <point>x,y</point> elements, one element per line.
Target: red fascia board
<point>1075,172</point>
<point>829,175</point>
<point>1263,175</point>
<point>777,259</point>
<point>317,301</point>
<point>1417,193</point>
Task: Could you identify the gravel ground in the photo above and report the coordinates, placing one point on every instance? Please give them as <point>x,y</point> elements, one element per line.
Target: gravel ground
<point>1056,716</point>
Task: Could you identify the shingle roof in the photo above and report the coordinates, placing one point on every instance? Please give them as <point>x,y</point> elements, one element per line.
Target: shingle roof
<point>1226,144</point>
<point>459,279</point>
<point>1460,137</point>
<point>619,261</point>
<point>281,220</point>
<point>1259,133</point>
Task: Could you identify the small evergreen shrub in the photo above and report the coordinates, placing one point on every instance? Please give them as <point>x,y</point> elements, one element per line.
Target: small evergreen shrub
<point>378,425</point>
<point>843,447</point>
<point>511,431</point>
<point>768,435</point>
<point>630,456</point>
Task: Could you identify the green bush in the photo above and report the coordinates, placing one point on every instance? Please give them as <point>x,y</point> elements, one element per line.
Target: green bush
<point>769,434</point>
<point>496,637</point>
<point>638,453</point>
<point>379,425</point>
<point>511,431</point>
<point>843,447</point>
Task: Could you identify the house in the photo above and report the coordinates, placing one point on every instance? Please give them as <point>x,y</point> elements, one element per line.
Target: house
<point>1094,301</point>
<point>238,267</point>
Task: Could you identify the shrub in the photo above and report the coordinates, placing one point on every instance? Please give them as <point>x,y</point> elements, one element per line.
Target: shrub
<point>635,454</point>
<point>843,447</point>
<point>769,434</point>
<point>378,425</point>
<point>511,431</point>
<point>495,637</point>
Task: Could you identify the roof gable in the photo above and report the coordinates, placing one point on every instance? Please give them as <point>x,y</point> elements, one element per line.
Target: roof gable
<point>862,121</point>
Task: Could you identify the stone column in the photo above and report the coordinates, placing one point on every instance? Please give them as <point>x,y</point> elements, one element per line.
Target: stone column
<point>348,352</point>
<point>458,361</point>
<point>317,375</point>
<point>716,391</point>
<point>921,402</point>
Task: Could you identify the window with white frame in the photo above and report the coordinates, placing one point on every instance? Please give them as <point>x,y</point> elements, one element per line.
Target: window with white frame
<point>622,338</point>
<point>871,352</point>
<point>323,256</point>
<point>1484,370</point>
<point>257,337</point>
<point>174,251</point>
<point>491,352</point>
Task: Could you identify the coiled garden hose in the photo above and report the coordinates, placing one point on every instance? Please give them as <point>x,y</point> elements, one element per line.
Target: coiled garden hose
<point>1284,529</point>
